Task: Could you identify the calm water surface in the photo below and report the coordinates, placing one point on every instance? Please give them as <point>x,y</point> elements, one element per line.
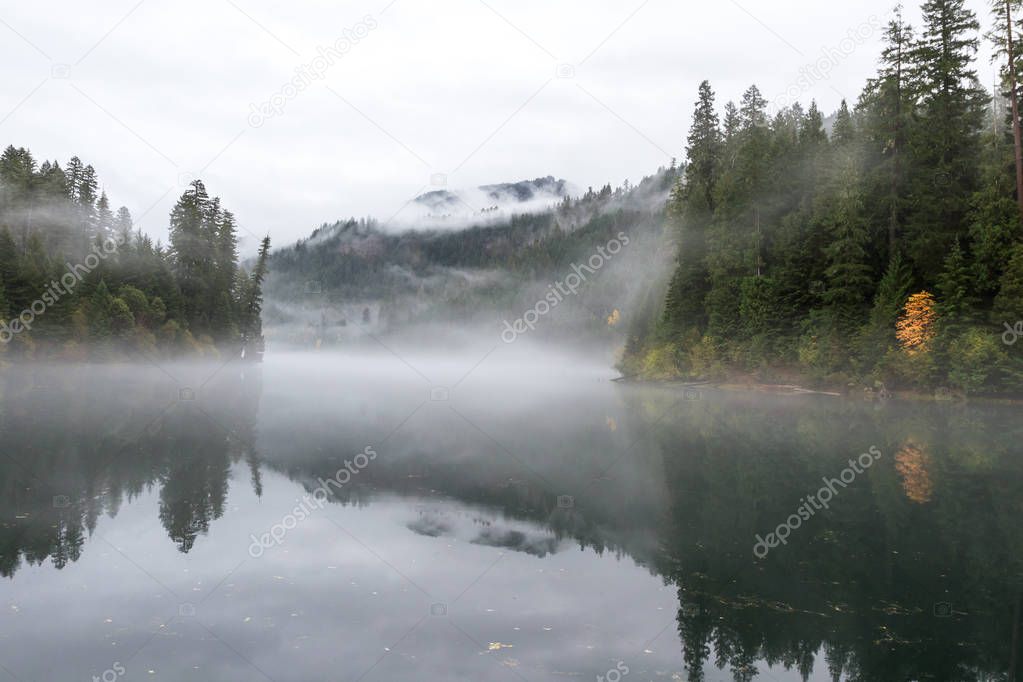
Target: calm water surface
<point>524,519</point>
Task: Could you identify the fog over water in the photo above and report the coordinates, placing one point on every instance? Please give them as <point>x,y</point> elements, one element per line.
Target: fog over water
<point>383,340</point>
<point>520,515</point>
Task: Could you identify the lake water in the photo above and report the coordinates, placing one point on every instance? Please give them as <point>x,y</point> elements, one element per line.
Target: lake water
<point>519,518</point>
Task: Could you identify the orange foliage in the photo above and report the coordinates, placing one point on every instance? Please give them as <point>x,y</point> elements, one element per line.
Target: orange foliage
<point>912,464</point>
<point>915,327</point>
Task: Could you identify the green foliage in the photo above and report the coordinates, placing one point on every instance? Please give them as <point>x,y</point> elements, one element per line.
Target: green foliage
<point>823,349</point>
<point>977,358</point>
<point>994,219</point>
<point>54,222</point>
<point>704,152</point>
<point>811,244</point>
<point>944,134</point>
<point>1008,307</point>
<point>955,288</point>
<point>892,293</point>
<point>660,363</point>
<point>757,307</point>
<point>137,304</point>
<point>122,322</point>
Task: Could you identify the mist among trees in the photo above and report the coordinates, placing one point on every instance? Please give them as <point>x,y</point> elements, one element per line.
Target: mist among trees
<point>79,281</point>
<point>889,251</point>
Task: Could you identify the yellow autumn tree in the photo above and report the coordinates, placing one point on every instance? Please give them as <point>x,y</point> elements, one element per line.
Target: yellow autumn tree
<point>913,464</point>
<point>614,318</point>
<point>916,325</point>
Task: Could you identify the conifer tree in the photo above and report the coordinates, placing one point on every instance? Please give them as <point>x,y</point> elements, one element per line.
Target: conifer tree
<point>192,286</point>
<point>691,207</point>
<point>191,253</point>
<point>123,226</point>
<point>892,293</point>
<point>888,101</point>
<point>1008,307</point>
<point>227,251</point>
<point>811,130</point>
<point>99,310</point>
<point>703,153</point>
<point>844,131</point>
<point>956,303</point>
<point>1004,35</point>
<point>994,224</point>
<point>945,136</point>
<point>253,304</point>
<point>753,109</point>
<point>731,121</point>
<point>104,217</point>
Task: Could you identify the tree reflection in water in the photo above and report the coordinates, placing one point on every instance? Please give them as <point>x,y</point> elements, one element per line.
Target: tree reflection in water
<point>915,571</point>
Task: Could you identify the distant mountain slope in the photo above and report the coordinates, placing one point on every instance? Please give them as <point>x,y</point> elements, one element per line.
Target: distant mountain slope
<point>352,277</point>
<point>521,196</point>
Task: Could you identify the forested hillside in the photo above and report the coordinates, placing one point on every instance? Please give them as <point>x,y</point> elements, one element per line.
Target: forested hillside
<point>357,276</point>
<point>78,281</point>
<point>888,252</point>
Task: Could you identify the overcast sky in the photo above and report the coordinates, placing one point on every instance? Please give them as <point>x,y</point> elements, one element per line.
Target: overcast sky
<point>469,92</point>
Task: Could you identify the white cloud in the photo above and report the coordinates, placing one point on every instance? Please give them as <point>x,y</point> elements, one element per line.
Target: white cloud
<point>441,87</point>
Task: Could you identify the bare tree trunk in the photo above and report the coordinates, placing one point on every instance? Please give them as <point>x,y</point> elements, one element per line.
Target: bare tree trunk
<point>1014,98</point>
<point>893,219</point>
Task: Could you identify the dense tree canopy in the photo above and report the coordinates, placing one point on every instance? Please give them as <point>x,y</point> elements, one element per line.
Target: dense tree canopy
<point>799,250</point>
<point>78,281</point>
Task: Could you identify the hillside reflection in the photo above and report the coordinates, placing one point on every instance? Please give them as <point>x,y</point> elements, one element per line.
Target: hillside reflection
<point>914,572</point>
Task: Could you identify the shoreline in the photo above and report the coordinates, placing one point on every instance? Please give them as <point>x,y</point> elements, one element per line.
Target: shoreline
<point>749,385</point>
